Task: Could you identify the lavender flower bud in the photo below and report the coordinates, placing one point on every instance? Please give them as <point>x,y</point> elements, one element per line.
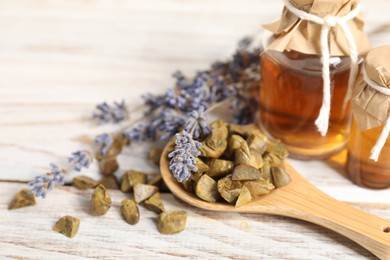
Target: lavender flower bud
<point>104,113</point>
<point>183,158</point>
<point>42,184</point>
<point>105,141</point>
<point>80,159</point>
<point>197,125</point>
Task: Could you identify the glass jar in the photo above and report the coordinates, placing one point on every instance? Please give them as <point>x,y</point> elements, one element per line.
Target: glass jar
<point>291,97</point>
<point>368,162</point>
<point>362,170</point>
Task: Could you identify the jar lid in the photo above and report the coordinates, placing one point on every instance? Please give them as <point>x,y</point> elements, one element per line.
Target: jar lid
<point>377,65</point>
<point>370,107</point>
<point>294,33</point>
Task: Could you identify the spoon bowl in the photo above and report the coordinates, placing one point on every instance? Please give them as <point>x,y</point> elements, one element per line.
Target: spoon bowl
<point>301,200</point>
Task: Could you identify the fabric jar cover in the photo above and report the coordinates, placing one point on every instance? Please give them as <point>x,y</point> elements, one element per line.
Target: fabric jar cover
<point>292,33</point>
<point>370,107</point>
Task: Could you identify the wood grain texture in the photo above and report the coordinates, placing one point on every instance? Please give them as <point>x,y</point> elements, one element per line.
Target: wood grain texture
<point>209,235</point>
<point>58,58</point>
<point>299,200</point>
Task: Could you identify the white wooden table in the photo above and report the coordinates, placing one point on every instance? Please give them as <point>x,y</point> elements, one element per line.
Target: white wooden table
<point>58,58</point>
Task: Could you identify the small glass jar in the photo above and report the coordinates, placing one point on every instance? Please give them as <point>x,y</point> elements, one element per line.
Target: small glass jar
<point>294,78</point>
<point>362,170</point>
<point>291,97</point>
<point>368,162</point>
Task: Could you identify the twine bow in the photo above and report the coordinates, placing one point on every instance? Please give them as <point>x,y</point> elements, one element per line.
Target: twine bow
<point>327,23</point>
<point>376,150</point>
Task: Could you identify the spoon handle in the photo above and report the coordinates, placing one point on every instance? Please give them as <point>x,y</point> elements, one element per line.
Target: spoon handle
<point>310,204</point>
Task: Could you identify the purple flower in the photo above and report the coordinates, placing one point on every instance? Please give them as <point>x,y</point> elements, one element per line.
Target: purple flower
<point>196,124</point>
<point>183,158</point>
<point>244,110</point>
<point>42,184</point>
<point>170,99</point>
<point>140,133</point>
<point>105,141</point>
<point>166,124</point>
<point>104,113</point>
<point>219,90</point>
<point>163,125</point>
<point>174,100</point>
<point>153,102</point>
<point>195,92</point>
<point>80,159</point>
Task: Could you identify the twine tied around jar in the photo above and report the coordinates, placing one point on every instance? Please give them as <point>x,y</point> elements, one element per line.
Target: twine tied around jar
<point>328,22</point>
<point>376,150</point>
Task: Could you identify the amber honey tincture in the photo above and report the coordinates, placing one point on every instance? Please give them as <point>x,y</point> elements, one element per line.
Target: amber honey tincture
<point>376,150</point>
<point>303,93</point>
<point>368,162</point>
<point>327,22</point>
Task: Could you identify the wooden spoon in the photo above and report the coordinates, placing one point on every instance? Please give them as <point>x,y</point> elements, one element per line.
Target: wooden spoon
<point>300,200</point>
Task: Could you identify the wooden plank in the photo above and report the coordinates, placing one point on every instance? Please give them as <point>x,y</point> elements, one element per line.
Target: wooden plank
<point>73,55</point>
<point>209,235</point>
<point>59,58</point>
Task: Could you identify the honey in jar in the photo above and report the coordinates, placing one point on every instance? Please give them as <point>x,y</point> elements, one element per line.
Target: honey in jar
<point>290,107</point>
<point>293,82</point>
<point>368,162</point>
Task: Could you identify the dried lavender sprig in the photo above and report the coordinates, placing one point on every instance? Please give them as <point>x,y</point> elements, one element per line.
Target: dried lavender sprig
<point>170,99</point>
<point>205,90</point>
<point>162,126</point>
<point>42,184</point>
<point>139,133</point>
<point>166,124</point>
<point>80,159</point>
<point>222,81</point>
<point>105,113</point>
<point>196,124</point>
<point>225,81</point>
<point>183,158</point>
<point>104,141</point>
